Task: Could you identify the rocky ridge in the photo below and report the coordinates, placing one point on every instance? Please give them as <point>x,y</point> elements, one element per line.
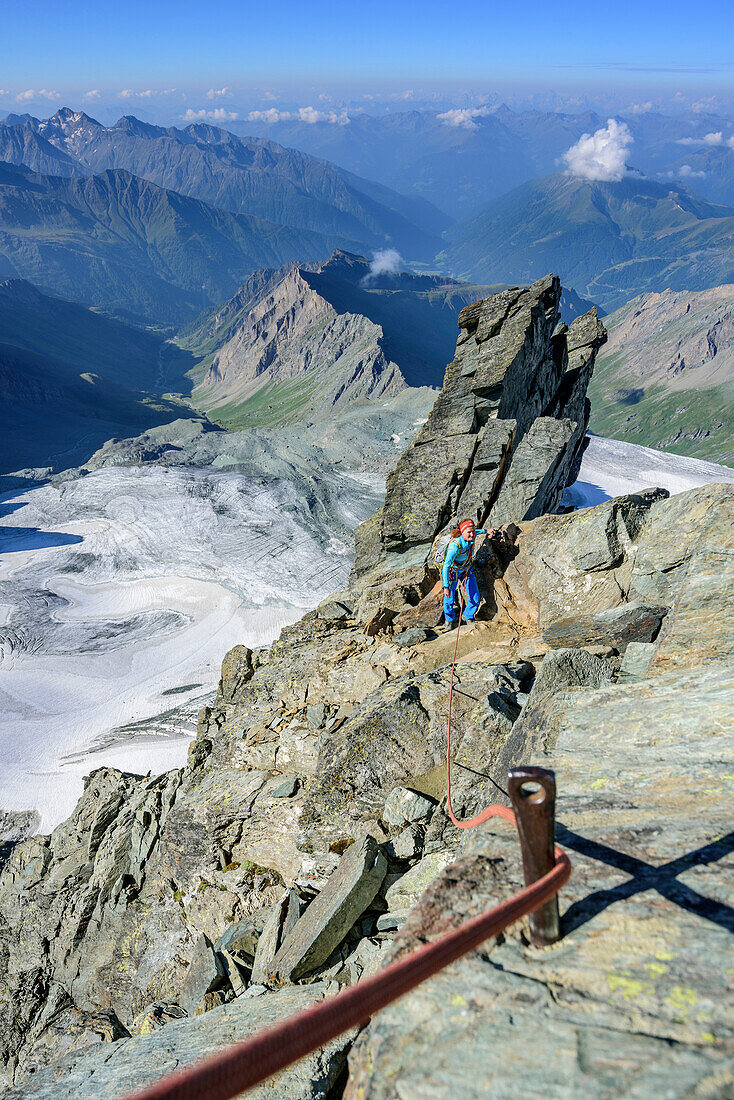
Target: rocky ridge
<point>296,343</point>
<point>306,840</point>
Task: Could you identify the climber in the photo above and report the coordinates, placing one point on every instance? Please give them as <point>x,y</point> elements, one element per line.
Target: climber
<point>457,566</point>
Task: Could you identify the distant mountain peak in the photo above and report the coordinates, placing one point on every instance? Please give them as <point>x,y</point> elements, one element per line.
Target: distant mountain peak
<point>69,122</point>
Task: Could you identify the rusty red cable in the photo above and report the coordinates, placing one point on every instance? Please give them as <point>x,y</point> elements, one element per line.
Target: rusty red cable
<point>247,1064</point>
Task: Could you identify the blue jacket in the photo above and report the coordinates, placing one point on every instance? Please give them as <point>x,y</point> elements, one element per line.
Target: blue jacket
<point>458,553</point>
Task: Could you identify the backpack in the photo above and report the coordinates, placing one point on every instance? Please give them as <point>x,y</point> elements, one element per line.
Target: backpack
<point>443,544</point>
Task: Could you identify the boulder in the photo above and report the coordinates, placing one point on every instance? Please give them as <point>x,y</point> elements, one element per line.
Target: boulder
<point>630,622</point>
<point>414,636</point>
<point>565,669</point>
<point>269,941</point>
<point>404,806</point>
<point>237,671</point>
<point>242,937</point>
<point>143,1059</point>
<point>636,661</point>
<point>325,923</point>
<point>405,893</point>
<point>206,974</point>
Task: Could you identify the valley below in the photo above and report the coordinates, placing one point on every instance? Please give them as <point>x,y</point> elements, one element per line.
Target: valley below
<point>121,590</point>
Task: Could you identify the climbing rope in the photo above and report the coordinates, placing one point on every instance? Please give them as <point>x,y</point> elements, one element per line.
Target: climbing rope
<point>247,1064</point>
<point>491,811</point>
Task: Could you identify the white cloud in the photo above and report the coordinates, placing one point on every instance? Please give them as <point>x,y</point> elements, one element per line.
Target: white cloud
<point>217,93</point>
<point>93,94</point>
<point>686,172</point>
<point>641,108</point>
<point>271,115</point>
<point>304,114</point>
<point>601,155</point>
<point>714,138</point>
<point>149,93</point>
<point>310,114</point>
<point>217,115</point>
<point>5,91</point>
<point>463,117</point>
<point>31,93</point>
<point>386,261</point>
<point>730,142</point>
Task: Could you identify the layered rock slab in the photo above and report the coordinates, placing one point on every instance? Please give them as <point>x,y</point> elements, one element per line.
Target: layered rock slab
<point>634,1000</point>
<point>504,436</point>
<point>111,1071</point>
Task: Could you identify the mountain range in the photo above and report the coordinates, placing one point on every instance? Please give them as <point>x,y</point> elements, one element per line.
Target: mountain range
<point>461,159</point>
<point>609,240</point>
<point>123,244</point>
<point>239,175</point>
<point>296,343</point>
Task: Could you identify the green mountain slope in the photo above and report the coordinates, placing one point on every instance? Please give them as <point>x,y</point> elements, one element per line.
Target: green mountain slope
<point>609,241</point>
<point>665,379</point>
<point>132,248</point>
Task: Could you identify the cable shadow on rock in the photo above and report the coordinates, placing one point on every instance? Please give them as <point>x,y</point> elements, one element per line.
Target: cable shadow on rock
<point>646,876</point>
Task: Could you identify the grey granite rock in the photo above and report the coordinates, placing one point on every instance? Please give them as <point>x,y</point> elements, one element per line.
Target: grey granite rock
<point>206,973</point>
<point>141,1060</point>
<point>636,661</point>
<point>631,622</point>
<point>287,788</point>
<point>269,941</point>
<point>242,937</point>
<point>538,474</point>
<point>404,893</point>
<point>414,636</point>
<point>571,668</point>
<point>332,913</point>
<point>403,806</point>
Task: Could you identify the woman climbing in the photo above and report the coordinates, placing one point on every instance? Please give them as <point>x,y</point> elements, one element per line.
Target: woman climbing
<point>457,566</point>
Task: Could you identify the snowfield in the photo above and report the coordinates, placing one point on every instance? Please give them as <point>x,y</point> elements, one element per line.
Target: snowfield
<point>121,591</point>
<point>611,468</point>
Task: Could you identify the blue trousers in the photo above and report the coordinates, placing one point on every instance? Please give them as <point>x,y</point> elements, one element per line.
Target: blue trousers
<point>472,598</point>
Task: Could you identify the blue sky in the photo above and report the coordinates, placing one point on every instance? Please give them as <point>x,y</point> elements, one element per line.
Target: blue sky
<point>161,43</point>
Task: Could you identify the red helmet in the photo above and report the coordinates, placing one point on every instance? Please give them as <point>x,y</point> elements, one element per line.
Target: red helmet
<point>467,525</point>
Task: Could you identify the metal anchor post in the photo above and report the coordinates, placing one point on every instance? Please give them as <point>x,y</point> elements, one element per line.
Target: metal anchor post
<point>533,795</point>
